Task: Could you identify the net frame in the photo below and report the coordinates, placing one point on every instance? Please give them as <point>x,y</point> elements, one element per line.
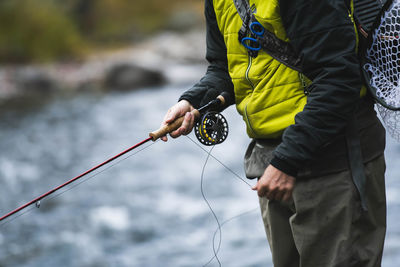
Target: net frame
<point>382,67</point>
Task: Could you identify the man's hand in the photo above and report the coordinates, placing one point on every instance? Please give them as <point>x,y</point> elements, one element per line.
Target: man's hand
<point>182,108</point>
<point>275,184</point>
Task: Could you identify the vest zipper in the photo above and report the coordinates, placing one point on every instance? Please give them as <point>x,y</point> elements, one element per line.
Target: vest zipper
<point>248,70</point>
<point>351,15</point>
<point>248,121</point>
<point>252,86</point>
<point>363,90</point>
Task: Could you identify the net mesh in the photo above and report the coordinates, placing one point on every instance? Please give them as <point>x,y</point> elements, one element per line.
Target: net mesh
<point>384,67</point>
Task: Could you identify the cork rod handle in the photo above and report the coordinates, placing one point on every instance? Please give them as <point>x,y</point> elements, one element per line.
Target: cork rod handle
<point>166,129</point>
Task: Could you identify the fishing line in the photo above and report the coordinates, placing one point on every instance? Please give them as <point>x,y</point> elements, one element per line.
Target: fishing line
<point>223,223</point>
<point>16,216</point>
<point>216,249</point>
<point>38,204</point>
<point>209,206</point>
<point>101,171</point>
<point>220,162</point>
<point>212,129</point>
<point>219,228</point>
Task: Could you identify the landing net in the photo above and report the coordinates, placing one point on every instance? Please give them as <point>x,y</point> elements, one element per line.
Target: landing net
<point>383,68</point>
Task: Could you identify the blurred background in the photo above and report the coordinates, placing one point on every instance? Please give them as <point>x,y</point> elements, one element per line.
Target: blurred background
<point>82,80</point>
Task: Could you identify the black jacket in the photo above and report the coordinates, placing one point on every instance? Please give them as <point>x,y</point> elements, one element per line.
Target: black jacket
<point>323,35</point>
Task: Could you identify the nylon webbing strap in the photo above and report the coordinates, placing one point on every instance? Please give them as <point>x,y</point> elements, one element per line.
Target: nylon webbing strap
<point>366,12</point>
<point>356,161</point>
<point>244,12</point>
<point>275,47</point>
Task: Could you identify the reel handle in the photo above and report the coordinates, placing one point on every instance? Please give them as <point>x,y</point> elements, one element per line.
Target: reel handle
<point>221,98</point>
<point>164,130</point>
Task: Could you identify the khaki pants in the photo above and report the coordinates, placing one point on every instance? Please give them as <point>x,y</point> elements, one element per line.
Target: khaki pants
<point>324,225</point>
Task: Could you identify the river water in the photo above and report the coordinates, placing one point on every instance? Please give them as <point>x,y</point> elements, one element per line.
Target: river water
<point>146,210</point>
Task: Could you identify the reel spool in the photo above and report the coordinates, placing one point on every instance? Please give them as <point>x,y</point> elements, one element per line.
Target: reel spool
<point>211,129</point>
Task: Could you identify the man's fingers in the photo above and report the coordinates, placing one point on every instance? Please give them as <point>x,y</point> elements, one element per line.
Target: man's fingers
<point>262,190</point>
<point>178,110</point>
<point>279,196</point>
<point>172,114</point>
<point>287,196</point>
<point>186,127</point>
<point>275,185</point>
<point>271,193</point>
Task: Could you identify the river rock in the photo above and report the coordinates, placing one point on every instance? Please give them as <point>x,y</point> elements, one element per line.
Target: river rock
<point>126,76</point>
<point>31,81</point>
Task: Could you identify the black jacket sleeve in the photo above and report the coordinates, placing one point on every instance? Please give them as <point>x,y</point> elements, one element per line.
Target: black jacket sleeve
<point>217,79</point>
<point>323,33</point>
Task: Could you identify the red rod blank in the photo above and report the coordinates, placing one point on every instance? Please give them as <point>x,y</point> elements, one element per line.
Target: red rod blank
<point>73,179</point>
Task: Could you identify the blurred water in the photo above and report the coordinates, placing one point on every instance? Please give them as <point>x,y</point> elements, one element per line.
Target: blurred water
<point>145,211</point>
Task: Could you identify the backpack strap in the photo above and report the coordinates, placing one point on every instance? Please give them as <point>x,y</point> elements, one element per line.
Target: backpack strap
<point>355,159</point>
<point>245,13</point>
<point>366,12</point>
<point>254,37</point>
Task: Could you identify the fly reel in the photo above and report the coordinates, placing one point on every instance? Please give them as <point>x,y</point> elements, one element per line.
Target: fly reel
<point>211,129</point>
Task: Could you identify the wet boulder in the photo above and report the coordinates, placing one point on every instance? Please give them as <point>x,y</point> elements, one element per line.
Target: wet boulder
<point>33,81</point>
<point>127,76</point>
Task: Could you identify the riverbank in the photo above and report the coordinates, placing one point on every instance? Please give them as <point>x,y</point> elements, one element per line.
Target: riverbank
<point>156,61</point>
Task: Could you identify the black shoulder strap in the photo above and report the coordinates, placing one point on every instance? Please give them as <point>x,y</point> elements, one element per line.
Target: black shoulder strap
<point>366,13</point>
<point>245,13</point>
<point>275,47</point>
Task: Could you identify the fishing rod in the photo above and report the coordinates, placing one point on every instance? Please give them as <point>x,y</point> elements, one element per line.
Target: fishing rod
<point>211,128</point>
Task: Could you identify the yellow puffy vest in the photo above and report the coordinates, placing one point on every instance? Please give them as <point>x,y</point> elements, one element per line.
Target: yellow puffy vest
<point>268,94</point>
